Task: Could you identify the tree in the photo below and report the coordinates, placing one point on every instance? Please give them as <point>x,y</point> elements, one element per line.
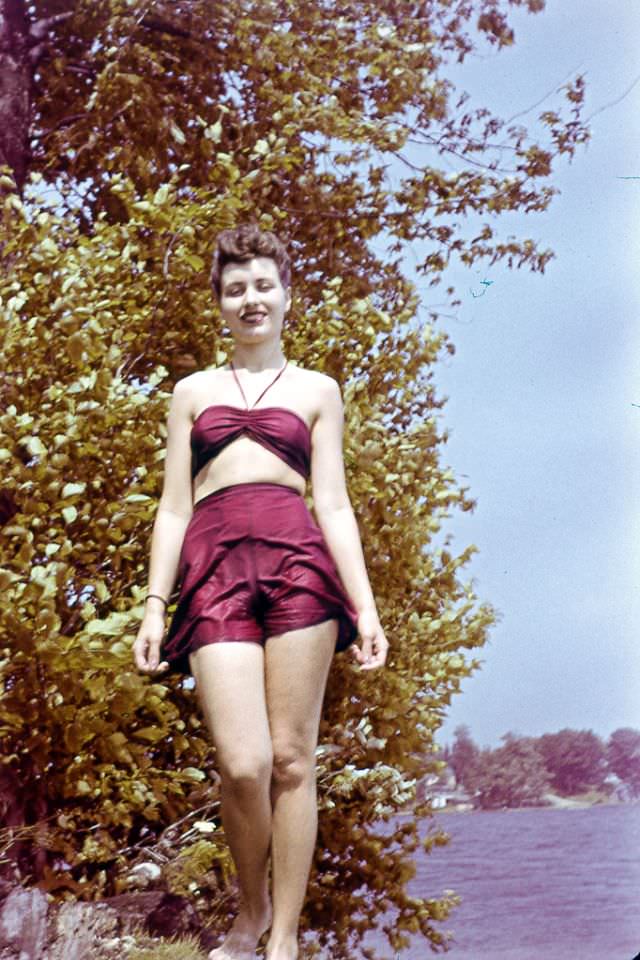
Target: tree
<point>150,129</point>
<point>514,775</point>
<point>623,757</point>
<point>463,756</point>
<point>575,760</point>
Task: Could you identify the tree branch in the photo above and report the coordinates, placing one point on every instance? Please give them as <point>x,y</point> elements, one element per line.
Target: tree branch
<point>39,29</point>
<point>154,23</point>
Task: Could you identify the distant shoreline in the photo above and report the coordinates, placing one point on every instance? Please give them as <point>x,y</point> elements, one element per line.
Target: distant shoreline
<point>554,802</point>
<point>558,803</point>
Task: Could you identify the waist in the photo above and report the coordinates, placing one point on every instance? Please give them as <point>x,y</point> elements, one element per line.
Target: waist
<point>240,491</point>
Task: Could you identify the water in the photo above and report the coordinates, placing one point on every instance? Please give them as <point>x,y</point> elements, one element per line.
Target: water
<point>546,884</point>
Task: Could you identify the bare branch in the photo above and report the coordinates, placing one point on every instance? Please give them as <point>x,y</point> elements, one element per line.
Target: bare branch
<point>614,102</point>
<point>39,29</point>
<point>154,23</point>
<point>522,113</point>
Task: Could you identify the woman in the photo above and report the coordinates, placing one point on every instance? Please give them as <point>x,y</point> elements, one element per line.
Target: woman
<point>267,595</point>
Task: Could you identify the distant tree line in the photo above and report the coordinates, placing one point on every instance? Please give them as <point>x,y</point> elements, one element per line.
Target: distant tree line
<point>524,769</point>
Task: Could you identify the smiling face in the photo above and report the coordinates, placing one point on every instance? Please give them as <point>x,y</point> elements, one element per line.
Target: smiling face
<point>253,302</point>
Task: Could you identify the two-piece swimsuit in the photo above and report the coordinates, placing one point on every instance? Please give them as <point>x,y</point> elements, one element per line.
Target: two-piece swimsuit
<point>253,563</point>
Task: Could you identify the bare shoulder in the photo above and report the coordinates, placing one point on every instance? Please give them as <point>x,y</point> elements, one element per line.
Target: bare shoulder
<point>187,390</point>
<point>319,385</point>
<point>197,379</point>
<point>321,393</point>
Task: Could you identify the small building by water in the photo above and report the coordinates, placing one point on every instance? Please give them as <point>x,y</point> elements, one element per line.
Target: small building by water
<point>442,791</point>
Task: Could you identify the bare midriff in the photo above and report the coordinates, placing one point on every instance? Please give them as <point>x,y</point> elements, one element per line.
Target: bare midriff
<point>244,461</point>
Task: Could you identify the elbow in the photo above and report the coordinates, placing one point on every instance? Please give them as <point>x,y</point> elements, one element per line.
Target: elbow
<point>332,509</point>
<point>182,510</point>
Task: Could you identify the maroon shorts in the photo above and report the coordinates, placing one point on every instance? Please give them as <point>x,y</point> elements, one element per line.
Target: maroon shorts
<point>253,564</point>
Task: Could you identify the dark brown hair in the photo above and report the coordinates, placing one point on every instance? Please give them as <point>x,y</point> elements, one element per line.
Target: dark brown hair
<point>242,244</point>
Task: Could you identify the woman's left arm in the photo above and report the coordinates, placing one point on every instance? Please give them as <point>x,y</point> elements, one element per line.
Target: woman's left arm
<point>338,524</point>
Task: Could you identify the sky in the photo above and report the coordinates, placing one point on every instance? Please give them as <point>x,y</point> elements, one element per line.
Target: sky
<point>543,426</point>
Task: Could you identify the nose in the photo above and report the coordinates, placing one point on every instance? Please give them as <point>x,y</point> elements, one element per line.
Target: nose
<point>251,296</point>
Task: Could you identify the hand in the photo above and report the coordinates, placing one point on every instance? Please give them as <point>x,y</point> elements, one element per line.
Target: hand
<point>373,651</point>
<point>146,646</point>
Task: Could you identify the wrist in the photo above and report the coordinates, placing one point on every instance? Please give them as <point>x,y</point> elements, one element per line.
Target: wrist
<point>155,611</point>
<point>367,611</point>
<point>155,603</point>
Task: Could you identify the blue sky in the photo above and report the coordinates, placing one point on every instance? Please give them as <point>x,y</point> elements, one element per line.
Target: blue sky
<point>541,393</point>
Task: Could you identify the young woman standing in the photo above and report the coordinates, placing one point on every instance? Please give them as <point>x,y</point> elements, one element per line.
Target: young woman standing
<point>267,594</point>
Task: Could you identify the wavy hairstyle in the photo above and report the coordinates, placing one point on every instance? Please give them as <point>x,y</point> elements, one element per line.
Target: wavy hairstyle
<point>242,244</point>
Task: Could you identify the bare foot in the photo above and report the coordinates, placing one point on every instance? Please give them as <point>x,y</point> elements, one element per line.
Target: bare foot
<point>243,938</point>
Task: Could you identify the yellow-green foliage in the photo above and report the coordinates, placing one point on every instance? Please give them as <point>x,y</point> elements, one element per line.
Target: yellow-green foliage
<point>151,134</point>
<point>187,872</point>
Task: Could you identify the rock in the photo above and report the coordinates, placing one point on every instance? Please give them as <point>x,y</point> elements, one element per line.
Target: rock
<point>81,927</point>
<point>173,916</point>
<point>6,886</point>
<point>143,874</point>
<point>23,923</point>
<point>31,928</point>
<point>134,907</point>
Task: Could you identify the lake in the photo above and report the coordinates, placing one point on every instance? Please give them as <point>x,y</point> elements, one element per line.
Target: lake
<point>542,884</point>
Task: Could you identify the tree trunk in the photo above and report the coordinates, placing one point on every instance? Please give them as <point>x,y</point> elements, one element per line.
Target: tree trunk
<point>15,87</point>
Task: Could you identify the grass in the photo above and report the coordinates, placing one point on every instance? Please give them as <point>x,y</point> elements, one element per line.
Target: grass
<point>186,948</point>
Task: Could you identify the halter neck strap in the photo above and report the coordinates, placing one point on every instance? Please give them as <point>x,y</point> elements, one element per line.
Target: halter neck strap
<point>268,387</point>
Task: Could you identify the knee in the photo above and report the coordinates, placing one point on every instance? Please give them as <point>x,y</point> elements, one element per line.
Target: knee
<point>292,767</point>
<point>244,773</point>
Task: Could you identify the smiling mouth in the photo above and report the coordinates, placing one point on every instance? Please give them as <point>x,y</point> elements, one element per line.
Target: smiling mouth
<point>253,317</point>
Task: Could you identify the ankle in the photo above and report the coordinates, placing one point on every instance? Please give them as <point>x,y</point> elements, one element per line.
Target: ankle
<point>282,947</point>
<point>260,903</point>
<point>256,915</point>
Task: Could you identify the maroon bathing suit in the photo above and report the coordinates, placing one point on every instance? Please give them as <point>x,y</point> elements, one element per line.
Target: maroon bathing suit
<point>253,563</point>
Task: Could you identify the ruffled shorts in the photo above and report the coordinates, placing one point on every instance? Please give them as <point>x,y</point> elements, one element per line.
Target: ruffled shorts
<point>253,564</point>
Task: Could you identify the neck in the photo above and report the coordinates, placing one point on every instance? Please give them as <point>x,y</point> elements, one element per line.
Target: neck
<point>257,357</point>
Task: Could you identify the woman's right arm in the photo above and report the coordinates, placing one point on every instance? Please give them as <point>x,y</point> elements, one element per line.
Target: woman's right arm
<point>172,517</point>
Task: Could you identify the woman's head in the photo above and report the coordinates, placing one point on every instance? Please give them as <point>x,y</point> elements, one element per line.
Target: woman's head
<point>246,243</point>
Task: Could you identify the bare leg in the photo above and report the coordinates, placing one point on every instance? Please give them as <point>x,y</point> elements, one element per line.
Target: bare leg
<point>230,684</point>
<point>296,670</point>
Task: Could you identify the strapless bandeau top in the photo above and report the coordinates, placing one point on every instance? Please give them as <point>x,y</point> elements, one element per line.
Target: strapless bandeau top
<point>277,429</point>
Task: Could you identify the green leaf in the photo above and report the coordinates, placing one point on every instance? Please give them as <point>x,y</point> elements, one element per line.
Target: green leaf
<point>195,261</point>
<point>71,489</point>
<point>194,774</point>
<point>69,514</point>
<point>214,132</point>
<point>150,734</point>
<point>112,626</point>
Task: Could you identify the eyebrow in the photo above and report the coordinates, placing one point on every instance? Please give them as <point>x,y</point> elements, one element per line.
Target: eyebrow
<point>263,279</point>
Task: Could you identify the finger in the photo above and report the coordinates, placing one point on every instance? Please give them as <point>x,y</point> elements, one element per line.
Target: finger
<point>366,652</point>
<point>146,654</point>
<point>372,664</point>
<point>356,653</point>
<point>160,668</point>
<point>153,657</point>
<point>379,656</point>
<point>140,658</point>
